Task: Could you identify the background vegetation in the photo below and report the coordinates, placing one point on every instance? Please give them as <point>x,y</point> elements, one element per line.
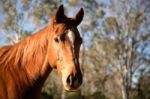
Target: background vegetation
<point>115,54</point>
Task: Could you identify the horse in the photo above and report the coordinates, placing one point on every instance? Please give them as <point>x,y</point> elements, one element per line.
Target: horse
<point>25,66</point>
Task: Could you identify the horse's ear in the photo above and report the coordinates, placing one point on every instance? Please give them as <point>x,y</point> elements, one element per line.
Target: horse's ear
<point>79,16</point>
<point>59,14</point>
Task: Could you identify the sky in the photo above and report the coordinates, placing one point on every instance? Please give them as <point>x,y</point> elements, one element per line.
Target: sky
<point>2,42</point>
<point>1,19</point>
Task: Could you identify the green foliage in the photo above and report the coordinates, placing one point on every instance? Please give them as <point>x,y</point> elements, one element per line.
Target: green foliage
<point>2,1</point>
<point>111,22</point>
<point>101,14</point>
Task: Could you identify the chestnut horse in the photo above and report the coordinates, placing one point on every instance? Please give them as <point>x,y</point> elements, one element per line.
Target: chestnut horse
<point>25,66</point>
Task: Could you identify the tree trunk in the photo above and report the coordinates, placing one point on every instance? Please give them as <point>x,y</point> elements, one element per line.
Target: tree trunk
<point>123,90</point>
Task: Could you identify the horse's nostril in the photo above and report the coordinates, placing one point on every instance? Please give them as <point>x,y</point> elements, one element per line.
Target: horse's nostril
<point>74,81</point>
<point>70,80</point>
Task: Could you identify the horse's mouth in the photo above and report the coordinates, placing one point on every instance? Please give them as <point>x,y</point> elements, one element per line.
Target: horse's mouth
<point>71,88</point>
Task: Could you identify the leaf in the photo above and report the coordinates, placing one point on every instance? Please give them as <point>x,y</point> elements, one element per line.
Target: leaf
<point>100,14</point>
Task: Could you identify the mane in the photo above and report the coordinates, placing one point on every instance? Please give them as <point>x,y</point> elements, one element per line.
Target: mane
<point>30,49</point>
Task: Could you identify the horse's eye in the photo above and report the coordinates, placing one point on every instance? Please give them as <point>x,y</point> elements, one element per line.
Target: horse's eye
<point>56,39</point>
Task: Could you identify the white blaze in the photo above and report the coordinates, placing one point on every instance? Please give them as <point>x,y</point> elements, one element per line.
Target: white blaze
<point>71,36</point>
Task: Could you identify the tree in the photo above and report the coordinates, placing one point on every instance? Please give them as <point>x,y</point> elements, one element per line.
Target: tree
<point>22,17</point>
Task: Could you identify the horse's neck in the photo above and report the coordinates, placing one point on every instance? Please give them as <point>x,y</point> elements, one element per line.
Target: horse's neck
<point>35,59</point>
<point>32,53</point>
<point>26,63</point>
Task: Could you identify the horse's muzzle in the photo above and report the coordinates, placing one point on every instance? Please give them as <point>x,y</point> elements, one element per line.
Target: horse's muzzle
<point>73,82</point>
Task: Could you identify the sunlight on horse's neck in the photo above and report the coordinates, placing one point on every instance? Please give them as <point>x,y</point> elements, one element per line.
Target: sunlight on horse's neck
<point>35,53</point>
<point>27,61</point>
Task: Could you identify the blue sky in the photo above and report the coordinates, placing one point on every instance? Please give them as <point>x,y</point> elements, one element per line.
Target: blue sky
<point>1,19</point>
<point>1,16</point>
<point>2,42</point>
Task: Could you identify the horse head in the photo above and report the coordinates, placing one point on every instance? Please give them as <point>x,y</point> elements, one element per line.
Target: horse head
<point>65,42</point>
